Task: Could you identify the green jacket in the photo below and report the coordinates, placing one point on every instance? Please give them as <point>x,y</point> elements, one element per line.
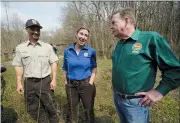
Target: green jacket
<point>135,63</point>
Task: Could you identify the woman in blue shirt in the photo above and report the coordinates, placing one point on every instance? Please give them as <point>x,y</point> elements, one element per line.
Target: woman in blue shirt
<point>80,71</point>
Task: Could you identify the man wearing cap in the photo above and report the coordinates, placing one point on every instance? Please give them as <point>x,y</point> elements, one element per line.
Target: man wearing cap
<point>37,60</point>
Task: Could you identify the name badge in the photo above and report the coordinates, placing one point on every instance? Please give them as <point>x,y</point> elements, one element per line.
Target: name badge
<point>85,54</point>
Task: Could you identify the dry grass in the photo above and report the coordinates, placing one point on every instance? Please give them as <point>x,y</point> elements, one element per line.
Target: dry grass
<point>166,111</point>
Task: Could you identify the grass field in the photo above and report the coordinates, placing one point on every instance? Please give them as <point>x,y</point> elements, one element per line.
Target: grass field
<point>166,111</point>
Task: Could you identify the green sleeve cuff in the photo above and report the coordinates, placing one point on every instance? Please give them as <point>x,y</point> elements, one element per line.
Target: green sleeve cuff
<point>163,88</point>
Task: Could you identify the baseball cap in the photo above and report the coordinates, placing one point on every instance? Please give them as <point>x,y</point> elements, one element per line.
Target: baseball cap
<point>32,22</point>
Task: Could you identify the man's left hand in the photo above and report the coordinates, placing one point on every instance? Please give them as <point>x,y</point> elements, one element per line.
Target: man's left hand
<point>151,97</point>
<point>53,85</point>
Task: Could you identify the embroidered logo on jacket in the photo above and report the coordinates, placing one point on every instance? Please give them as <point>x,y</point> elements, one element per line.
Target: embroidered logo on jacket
<point>136,47</point>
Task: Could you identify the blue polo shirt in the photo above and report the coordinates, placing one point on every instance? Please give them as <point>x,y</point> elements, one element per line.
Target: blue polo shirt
<point>79,67</point>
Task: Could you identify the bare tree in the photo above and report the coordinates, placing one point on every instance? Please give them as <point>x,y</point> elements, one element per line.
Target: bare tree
<point>12,32</point>
<point>159,16</point>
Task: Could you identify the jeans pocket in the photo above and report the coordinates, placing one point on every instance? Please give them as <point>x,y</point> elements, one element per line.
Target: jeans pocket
<point>134,102</point>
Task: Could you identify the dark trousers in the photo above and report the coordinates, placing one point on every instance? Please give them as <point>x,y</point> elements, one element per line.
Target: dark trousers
<point>40,100</point>
<point>86,92</point>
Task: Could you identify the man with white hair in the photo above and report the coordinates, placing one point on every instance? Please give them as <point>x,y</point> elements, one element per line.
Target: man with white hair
<point>135,60</point>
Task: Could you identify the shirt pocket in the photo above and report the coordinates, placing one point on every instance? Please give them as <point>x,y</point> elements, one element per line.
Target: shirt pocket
<point>86,61</point>
<point>25,58</point>
<point>43,59</point>
<point>133,62</point>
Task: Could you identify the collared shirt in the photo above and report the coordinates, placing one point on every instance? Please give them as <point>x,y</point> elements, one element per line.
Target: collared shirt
<point>135,62</point>
<point>79,67</point>
<point>36,59</point>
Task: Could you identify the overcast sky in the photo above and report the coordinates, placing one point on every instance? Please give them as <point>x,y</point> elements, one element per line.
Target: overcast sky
<point>47,13</point>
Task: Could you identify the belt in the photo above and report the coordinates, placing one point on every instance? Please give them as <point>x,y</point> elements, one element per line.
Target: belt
<point>78,82</point>
<point>125,96</point>
<point>36,79</point>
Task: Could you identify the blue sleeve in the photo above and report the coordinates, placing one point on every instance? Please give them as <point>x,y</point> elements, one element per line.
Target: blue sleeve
<point>93,59</point>
<point>64,67</point>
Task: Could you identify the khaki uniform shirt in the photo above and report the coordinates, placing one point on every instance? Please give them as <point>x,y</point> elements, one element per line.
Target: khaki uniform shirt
<point>35,59</point>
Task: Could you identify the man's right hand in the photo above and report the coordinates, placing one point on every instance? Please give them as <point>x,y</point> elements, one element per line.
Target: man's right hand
<point>20,89</point>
